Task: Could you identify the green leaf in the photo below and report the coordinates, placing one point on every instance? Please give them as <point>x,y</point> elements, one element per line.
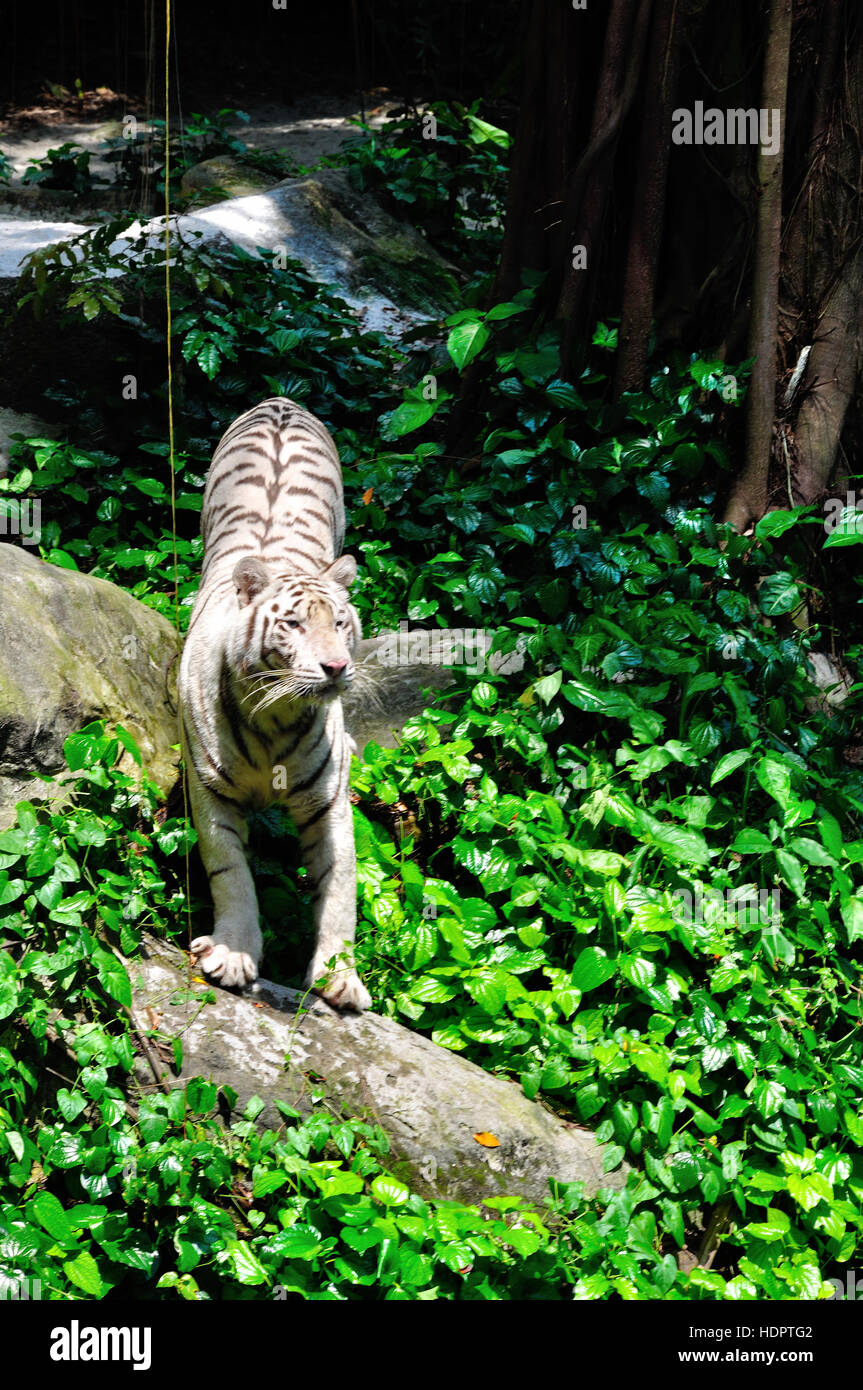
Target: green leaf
<point>730,763</point>
<point>592,969</point>
<point>548,686</point>
<point>50,1215</point>
<point>812,851</point>
<point>750,841</point>
<point>848,529</point>
<point>15,1142</point>
<point>42,859</point>
<point>638,970</point>
<point>775,777</point>
<point>768,1096</point>
<point>483,130</point>
<point>416,1268</point>
<point>808,1189</point>
<point>450,1036</point>
<point>10,888</point>
<point>484,695</point>
<point>390,1191</point>
<point>431,990</point>
<point>777,523</point>
<point>209,358</point>
<point>84,1273</point>
<point>465,341</point>
<point>267,1181</point>
<point>407,417</point>
<point>245,1265</point>
<point>70,1103</point>
<point>201,1095</point>
<point>792,872</point>
<point>612,1157</point>
<point>684,1171</point>
<point>129,744</point>
<point>489,991</point>
<point>778,594</point>
<point>298,1242</point>
<point>852,916</point>
<point>681,845</point>
<point>112,977</point>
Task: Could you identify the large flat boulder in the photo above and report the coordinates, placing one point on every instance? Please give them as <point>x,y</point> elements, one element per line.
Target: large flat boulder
<point>74,649</point>
<point>439,1111</point>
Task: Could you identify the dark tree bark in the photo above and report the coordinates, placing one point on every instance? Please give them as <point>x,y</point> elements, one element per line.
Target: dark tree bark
<point>541,143</point>
<point>649,209</point>
<point>822,284</point>
<point>589,185</point>
<point>748,500</point>
<point>833,372</point>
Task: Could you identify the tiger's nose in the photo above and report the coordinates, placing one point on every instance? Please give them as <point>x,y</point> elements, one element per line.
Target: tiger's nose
<point>333,668</point>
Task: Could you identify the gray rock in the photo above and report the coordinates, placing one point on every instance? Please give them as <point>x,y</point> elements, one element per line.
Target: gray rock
<point>431,1102</point>
<point>384,269</point>
<point>13,422</point>
<point>343,238</point>
<point>383,697</point>
<point>223,172</point>
<point>73,649</point>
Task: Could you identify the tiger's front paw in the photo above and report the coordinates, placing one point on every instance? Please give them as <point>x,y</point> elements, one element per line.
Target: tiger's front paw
<point>228,968</point>
<point>343,988</point>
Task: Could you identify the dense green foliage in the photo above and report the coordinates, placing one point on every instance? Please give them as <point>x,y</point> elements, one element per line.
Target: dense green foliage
<point>556,866</point>
<point>445,169</point>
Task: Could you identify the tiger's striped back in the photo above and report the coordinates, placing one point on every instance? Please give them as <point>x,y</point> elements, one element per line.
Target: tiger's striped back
<point>274,489</point>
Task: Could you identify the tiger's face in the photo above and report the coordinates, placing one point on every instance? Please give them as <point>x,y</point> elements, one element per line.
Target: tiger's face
<point>295,634</point>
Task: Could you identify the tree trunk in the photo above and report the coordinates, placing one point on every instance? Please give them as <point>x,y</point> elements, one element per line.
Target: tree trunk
<point>587,197</point>
<point>529,204</point>
<point>748,499</point>
<point>649,205</point>
<point>822,282</point>
<point>832,373</point>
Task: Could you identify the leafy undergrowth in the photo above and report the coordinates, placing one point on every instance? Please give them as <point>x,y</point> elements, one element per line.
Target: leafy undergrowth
<point>446,169</point>
<point>98,1198</point>
<point>619,861</point>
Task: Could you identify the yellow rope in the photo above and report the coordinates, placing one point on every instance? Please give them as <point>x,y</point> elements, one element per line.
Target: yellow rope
<point>171,437</point>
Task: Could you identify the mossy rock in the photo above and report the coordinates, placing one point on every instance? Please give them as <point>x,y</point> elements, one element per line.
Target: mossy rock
<point>74,649</point>
<point>230,176</point>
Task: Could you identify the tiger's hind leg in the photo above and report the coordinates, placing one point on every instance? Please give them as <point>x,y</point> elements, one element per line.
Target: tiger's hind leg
<point>232,953</point>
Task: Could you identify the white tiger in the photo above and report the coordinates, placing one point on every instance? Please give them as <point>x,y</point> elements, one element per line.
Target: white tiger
<point>267,655</point>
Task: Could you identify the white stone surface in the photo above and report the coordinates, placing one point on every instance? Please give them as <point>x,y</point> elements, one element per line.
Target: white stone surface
<point>21,235</point>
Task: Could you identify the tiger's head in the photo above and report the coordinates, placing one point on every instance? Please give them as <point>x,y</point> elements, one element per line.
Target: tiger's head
<point>295,633</point>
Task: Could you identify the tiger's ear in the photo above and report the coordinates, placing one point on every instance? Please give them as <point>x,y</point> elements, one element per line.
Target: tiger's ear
<point>342,571</point>
<point>250,577</point>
